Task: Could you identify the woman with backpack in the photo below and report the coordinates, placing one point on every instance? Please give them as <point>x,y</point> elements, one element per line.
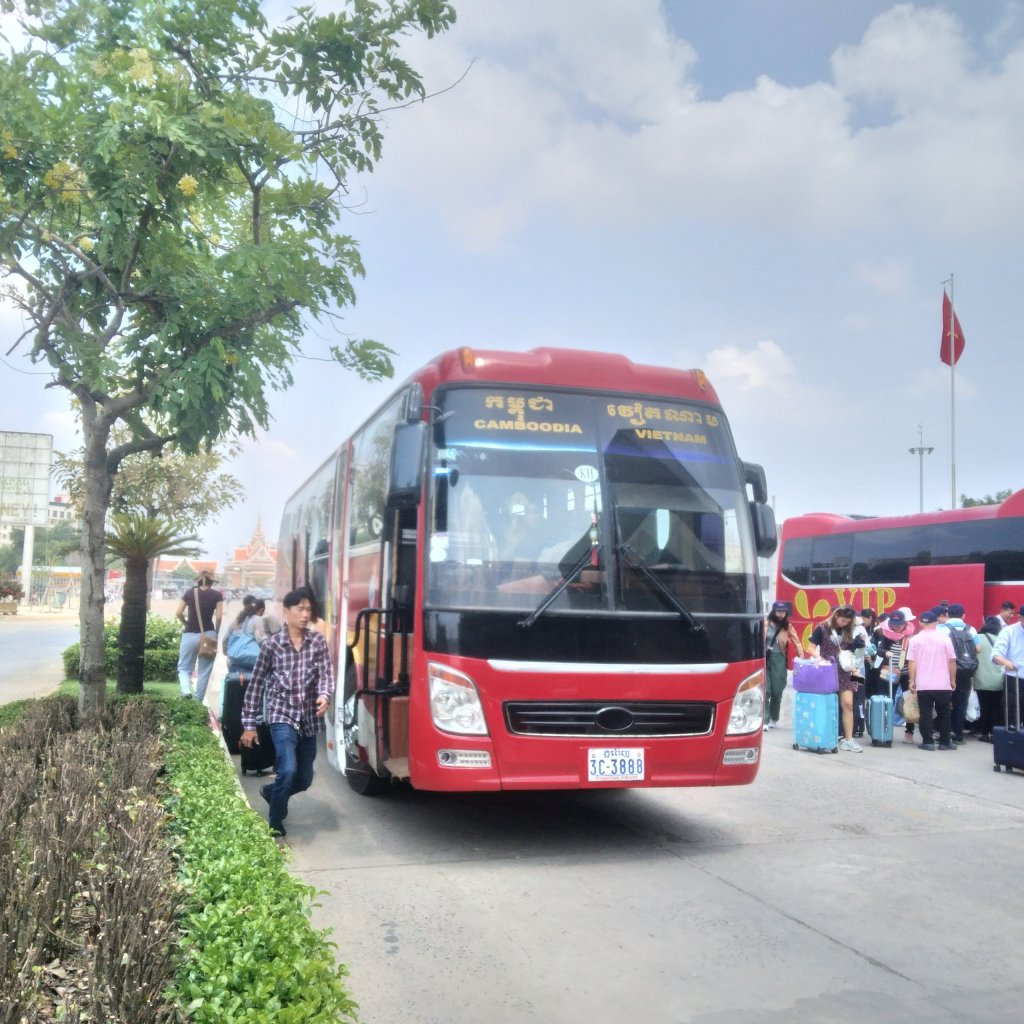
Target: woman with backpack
<point>780,635</point>
<point>242,644</point>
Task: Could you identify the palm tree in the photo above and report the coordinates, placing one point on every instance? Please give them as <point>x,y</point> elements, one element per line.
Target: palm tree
<point>138,539</point>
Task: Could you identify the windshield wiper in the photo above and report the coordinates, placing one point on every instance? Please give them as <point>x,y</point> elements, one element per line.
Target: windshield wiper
<point>589,557</point>
<point>637,562</point>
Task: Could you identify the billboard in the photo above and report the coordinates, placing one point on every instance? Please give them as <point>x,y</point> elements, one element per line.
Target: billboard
<point>24,478</point>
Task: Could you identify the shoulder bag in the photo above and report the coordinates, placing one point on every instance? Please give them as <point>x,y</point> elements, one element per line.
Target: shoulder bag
<point>207,644</point>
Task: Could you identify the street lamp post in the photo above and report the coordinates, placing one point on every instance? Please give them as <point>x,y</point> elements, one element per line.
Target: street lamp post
<point>920,451</point>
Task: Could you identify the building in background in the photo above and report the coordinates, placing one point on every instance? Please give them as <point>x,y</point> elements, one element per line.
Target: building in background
<point>251,568</point>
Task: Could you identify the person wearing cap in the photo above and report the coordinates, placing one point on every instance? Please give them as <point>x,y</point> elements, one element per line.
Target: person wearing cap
<point>894,635</point>
<point>931,664</point>
<point>199,611</point>
<point>779,636</point>
<point>836,634</point>
<point>988,680</point>
<point>964,677</point>
<point>1008,651</point>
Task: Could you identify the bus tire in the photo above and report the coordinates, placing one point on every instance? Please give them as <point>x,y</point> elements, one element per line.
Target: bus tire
<point>361,778</point>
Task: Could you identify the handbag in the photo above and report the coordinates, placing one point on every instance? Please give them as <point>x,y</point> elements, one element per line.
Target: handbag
<point>847,662</point>
<point>911,709</point>
<point>973,707</point>
<point>814,676</point>
<point>207,644</point>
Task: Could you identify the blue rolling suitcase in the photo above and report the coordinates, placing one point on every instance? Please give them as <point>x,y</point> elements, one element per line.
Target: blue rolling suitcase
<point>815,722</point>
<point>1007,740</point>
<point>880,719</point>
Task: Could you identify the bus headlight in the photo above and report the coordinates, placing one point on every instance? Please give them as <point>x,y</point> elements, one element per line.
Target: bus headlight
<point>747,713</point>
<point>454,703</point>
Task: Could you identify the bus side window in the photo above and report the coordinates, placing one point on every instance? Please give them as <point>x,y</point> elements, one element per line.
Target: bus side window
<point>796,560</point>
<point>830,561</point>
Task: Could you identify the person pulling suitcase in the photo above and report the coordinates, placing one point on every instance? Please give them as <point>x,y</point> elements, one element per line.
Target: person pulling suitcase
<point>294,680</point>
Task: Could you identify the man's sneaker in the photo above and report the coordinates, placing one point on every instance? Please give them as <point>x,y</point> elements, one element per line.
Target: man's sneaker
<point>947,746</point>
<point>926,746</point>
<point>908,737</point>
<point>264,793</point>
<point>277,831</point>
<point>855,748</point>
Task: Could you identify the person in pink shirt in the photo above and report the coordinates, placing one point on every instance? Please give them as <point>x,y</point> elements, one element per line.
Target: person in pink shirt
<point>931,661</point>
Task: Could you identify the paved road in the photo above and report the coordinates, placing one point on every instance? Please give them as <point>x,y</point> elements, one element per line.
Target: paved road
<point>879,887</point>
<point>30,665</point>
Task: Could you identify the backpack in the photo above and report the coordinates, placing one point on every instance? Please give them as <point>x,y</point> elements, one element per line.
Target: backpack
<point>966,651</point>
<point>244,649</point>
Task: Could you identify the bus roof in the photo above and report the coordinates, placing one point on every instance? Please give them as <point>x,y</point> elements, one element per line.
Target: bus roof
<point>813,524</point>
<point>563,367</point>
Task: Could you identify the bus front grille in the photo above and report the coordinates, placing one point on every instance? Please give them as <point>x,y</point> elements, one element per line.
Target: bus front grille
<point>608,719</point>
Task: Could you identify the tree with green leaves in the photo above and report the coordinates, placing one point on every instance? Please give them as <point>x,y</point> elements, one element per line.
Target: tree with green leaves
<point>172,176</point>
<point>53,545</point>
<point>187,489</point>
<point>138,539</point>
<point>990,499</point>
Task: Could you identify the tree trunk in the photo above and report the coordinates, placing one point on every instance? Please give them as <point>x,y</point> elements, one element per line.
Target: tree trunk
<point>131,638</point>
<point>98,482</point>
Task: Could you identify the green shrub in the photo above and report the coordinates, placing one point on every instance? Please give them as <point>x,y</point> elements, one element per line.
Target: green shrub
<point>250,953</point>
<point>247,951</point>
<point>160,661</point>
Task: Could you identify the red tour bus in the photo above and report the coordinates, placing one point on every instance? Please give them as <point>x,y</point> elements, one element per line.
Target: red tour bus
<point>539,571</point>
<point>971,556</point>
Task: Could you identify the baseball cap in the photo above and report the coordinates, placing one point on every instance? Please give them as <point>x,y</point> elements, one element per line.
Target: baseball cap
<point>1020,610</point>
<point>782,606</point>
<point>956,611</point>
<point>908,615</point>
<point>929,617</point>
<point>897,618</point>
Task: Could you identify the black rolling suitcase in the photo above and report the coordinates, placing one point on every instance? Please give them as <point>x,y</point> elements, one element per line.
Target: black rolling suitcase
<point>260,758</point>
<point>231,696</point>
<point>1007,740</point>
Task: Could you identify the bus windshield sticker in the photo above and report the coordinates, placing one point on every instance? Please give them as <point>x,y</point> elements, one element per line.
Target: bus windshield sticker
<point>640,415</point>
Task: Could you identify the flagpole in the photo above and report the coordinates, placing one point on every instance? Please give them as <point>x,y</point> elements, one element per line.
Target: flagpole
<point>952,395</point>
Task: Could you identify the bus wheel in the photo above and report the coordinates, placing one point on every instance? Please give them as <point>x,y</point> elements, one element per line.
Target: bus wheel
<point>360,776</point>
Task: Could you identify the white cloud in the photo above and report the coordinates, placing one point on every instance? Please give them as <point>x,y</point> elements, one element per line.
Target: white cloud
<point>599,118</point>
<point>766,366</point>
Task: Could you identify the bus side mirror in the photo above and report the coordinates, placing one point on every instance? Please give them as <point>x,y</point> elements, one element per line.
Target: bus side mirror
<point>405,473</point>
<point>766,536</point>
<point>753,475</point>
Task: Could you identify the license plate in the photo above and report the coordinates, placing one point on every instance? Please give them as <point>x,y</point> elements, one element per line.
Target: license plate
<point>615,764</point>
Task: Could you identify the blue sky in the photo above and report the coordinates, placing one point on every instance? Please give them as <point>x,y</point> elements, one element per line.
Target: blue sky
<point>772,190</point>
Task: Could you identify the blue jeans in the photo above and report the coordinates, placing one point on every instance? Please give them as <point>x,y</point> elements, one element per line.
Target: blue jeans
<point>294,755</point>
<point>188,655</point>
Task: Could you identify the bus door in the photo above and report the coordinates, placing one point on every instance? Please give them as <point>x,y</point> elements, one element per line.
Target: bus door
<point>958,584</point>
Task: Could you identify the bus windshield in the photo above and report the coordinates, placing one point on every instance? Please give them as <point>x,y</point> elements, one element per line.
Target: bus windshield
<point>525,484</point>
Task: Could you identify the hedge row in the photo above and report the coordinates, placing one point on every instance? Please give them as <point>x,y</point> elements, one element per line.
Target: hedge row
<point>250,953</point>
<point>246,951</point>
<point>160,660</point>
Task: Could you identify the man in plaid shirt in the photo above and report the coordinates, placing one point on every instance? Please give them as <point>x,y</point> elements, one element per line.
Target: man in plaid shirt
<point>294,672</point>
